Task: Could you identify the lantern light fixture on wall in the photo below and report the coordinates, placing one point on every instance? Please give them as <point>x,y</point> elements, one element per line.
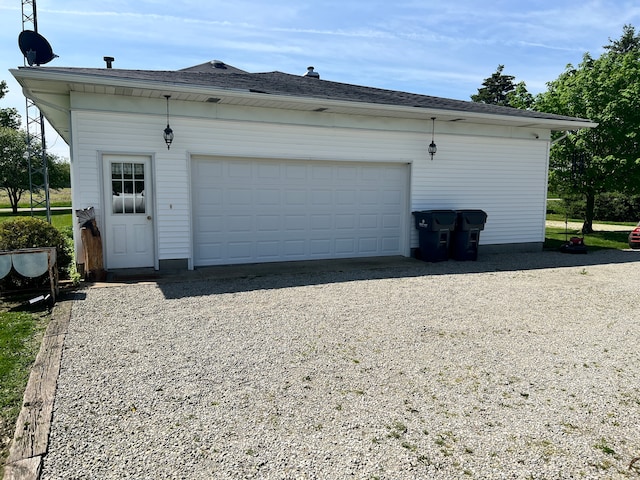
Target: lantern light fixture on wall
<point>168,133</point>
<point>432,146</point>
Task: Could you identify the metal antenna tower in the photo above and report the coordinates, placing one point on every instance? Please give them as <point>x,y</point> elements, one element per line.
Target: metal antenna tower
<point>36,144</point>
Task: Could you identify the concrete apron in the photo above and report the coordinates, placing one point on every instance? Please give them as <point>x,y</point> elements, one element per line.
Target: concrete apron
<point>135,275</point>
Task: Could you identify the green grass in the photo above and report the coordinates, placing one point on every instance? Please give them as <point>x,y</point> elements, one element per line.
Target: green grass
<point>60,219</point>
<point>561,218</point>
<point>555,237</point>
<point>20,336</point>
<point>57,198</point>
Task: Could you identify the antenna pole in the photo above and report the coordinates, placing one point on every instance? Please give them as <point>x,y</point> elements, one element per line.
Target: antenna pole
<point>36,142</point>
<point>29,15</point>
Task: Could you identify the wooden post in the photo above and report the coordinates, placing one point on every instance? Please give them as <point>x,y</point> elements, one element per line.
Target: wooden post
<point>92,242</point>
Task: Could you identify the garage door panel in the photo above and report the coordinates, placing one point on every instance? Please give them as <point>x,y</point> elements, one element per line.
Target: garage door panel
<point>368,245</point>
<point>210,224</point>
<point>346,197</point>
<point>248,211</point>
<point>240,250</point>
<point>296,172</point>
<point>268,249</point>
<point>391,221</point>
<point>239,224</point>
<point>294,248</point>
<point>369,197</point>
<point>321,172</point>
<point>345,221</point>
<point>213,196</point>
<point>320,246</point>
<point>295,197</point>
<point>268,223</point>
<point>239,169</point>
<point>392,197</point>
<point>269,171</point>
<point>322,222</point>
<point>211,252</point>
<point>372,175</point>
<point>346,175</point>
<point>321,197</point>
<point>268,196</point>
<point>295,223</point>
<point>390,245</point>
<point>368,220</point>
<point>239,196</point>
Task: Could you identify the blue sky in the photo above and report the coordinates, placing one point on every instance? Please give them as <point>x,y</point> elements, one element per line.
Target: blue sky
<point>438,48</point>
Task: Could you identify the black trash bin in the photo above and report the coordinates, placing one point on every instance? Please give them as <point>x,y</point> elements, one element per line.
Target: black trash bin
<point>466,236</point>
<point>434,233</point>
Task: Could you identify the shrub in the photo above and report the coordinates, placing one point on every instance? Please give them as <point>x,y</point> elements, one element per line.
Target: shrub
<point>29,232</point>
<point>616,207</point>
<point>572,207</point>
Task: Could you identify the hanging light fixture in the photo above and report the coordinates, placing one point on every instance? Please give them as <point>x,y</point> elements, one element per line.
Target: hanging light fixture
<point>168,133</point>
<point>432,146</point>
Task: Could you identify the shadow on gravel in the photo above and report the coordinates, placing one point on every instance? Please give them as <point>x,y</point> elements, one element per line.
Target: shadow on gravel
<point>245,278</point>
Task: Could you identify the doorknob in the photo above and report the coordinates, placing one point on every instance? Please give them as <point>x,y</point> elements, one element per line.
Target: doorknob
<point>148,217</point>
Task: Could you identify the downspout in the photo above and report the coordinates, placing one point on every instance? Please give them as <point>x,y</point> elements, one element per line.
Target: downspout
<point>561,138</point>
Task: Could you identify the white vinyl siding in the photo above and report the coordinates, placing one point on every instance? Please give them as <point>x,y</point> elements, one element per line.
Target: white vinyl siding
<point>506,178</point>
<point>502,171</point>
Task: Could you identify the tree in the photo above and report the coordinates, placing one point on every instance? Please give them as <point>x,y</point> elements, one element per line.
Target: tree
<point>8,116</point>
<point>520,97</point>
<point>500,89</point>
<point>14,166</point>
<point>606,90</point>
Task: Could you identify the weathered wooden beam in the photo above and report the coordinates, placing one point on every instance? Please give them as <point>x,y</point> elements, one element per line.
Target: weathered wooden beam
<point>31,438</point>
<point>26,469</point>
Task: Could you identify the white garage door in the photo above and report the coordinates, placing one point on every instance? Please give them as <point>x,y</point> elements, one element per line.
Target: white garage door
<point>249,211</point>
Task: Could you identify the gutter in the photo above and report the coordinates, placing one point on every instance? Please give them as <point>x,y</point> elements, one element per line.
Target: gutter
<point>419,113</point>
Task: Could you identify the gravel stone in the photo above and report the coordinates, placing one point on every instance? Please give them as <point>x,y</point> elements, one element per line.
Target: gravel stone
<point>512,367</point>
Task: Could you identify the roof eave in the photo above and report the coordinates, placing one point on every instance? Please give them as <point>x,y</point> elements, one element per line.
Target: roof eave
<point>24,75</point>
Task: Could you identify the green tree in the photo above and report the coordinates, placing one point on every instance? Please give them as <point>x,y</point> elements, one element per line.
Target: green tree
<point>520,97</point>
<point>500,89</point>
<point>8,116</point>
<point>606,90</point>
<point>14,166</point>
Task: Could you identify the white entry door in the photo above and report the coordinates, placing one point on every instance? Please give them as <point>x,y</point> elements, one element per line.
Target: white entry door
<point>128,212</point>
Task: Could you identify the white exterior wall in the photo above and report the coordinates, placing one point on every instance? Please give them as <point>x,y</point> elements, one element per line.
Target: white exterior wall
<point>501,170</point>
<point>507,178</point>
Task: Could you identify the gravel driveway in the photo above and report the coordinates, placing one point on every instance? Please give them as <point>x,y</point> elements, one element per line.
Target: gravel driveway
<point>509,367</point>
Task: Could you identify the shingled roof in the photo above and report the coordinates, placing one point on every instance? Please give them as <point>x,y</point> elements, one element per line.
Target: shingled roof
<point>215,66</point>
<point>296,86</point>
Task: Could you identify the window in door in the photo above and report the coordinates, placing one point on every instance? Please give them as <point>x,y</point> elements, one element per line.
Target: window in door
<point>127,185</point>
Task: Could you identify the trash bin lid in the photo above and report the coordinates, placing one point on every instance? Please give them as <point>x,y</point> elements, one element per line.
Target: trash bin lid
<point>435,220</point>
<point>472,218</point>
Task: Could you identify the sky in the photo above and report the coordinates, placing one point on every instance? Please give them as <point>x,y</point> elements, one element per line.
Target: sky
<point>431,47</point>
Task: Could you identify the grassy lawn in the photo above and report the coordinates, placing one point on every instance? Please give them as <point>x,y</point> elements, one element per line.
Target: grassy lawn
<point>20,336</point>
<point>57,198</point>
<point>59,219</point>
<point>555,237</point>
<point>561,218</point>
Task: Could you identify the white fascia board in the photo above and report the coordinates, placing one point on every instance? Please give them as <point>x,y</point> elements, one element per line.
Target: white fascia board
<point>365,108</point>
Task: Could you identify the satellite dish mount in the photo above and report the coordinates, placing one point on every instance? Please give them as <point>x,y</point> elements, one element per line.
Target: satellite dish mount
<point>35,48</point>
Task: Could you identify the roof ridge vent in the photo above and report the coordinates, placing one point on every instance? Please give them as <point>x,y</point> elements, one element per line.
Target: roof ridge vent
<point>311,73</point>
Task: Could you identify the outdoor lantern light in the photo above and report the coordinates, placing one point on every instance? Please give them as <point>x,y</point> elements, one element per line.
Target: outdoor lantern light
<point>432,146</point>
<point>168,133</point>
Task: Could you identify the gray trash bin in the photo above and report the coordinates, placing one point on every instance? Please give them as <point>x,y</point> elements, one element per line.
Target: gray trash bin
<point>466,236</point>
<point>434,233</point>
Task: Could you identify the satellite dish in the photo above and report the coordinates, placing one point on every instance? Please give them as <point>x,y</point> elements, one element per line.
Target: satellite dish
<point>35,48</point>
